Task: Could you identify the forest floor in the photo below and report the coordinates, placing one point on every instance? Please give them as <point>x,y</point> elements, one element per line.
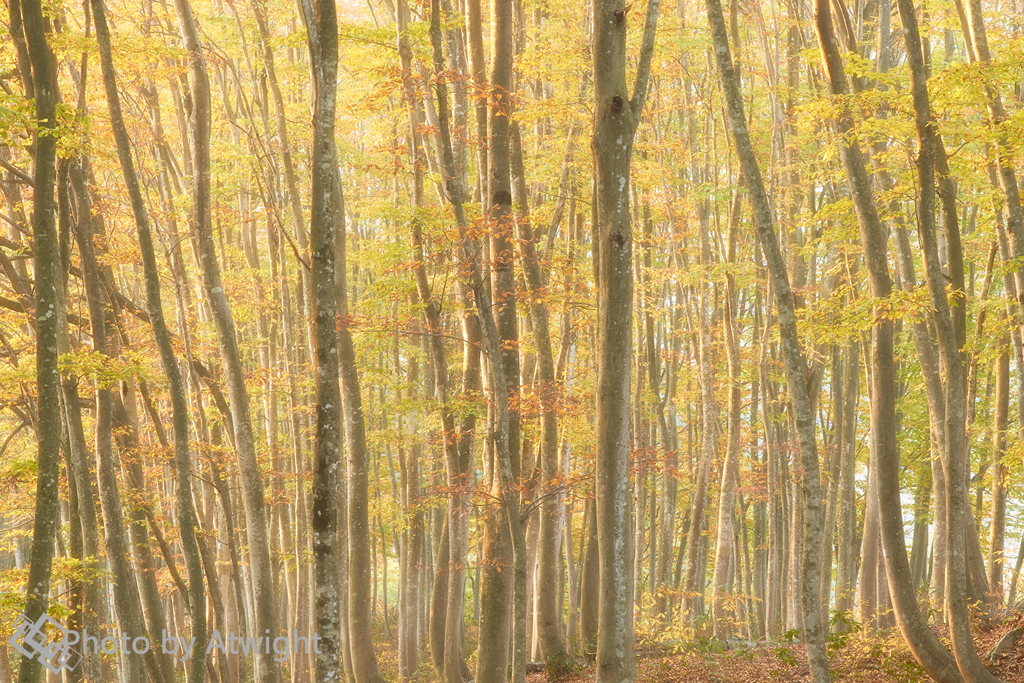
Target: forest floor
<point>861,659</point>
<point>857,658</point>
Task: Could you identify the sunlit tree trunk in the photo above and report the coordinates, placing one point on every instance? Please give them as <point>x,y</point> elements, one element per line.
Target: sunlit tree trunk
<point>77,454</point>
<point>886,496</point>
<point>549,609</point>
<point>496,588</point>
<point>616,118</point>
<point>948,319</point>
<point>264,606</point>
<point>796,366</point>
<point>997,523</point>
<point>730,467</point>
<point>126,599</point>
<point>187,517</point>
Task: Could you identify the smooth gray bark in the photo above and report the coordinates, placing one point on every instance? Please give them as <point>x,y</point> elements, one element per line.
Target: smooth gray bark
<point>792,354</point>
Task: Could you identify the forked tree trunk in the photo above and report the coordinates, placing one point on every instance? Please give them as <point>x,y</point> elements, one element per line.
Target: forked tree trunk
<point>502,485</point>
<point>127,609</point>
<point>616,118</point>
<point>77,458</point>
<point>886,498</point>
<point>949,331</point>
<point>447,609</point>
<point>548,608</point>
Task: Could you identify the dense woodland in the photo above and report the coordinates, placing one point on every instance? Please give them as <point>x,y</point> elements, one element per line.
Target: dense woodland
<point>466,336</point>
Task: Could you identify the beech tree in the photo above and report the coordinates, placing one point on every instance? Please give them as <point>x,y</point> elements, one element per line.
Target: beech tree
<point>354,342</point>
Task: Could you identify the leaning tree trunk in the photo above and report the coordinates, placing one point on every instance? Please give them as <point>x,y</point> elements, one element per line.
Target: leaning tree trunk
<point>447,611</point>
<point>931,155</point>
<point>187,517</point>
<point>503,485</point>
<point>264,608</point>
<point>922,642</point>
<point>548,607</point>
<point>77,458</point>
<point>127,609</point>
<point>796,366</point>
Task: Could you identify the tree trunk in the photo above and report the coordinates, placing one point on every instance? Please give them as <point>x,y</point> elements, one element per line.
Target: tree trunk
<point>78,459</point>
<point>693,584</point>
<point>949,331</point>
<point>616,118</point>
<point>48,299</point>
<point>922,642</point>
<point>731,465</point>
<point>126,599</point>
<point>264,605</point>
<point>496,588</point>
<point>504,467</point>
<point>589,570</point>
<point>997,525</point>
<point>187,517</point>
<point>796,366</point>
<point>549,609</point>
<point>322,31</point>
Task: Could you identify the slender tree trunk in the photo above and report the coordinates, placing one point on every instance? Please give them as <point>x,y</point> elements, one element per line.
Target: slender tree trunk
<point>497,588</point>
<point>323,51</point>
<point>834,466</point>
<point>997,525</point>
<point>446,635</point>
<point>187,518</point>
<point>948,323</point>
<point>78,457</point>
<point>731,464</point>
<point>549,609</point>
<point>502,486</point>
<point>47,298</point>
<point>264,605</point>
<point>796,366</point>
<point>590,576</point>
<point>360,581</point>
<point>923,643</point>
<point>693,583</point>
<point>126,599</point>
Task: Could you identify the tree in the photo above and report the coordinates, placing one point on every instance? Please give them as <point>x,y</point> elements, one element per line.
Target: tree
<point>322,37</point>
<point>616,118</point>
<point>47,299</point>
<point>252,483</point>
<point>796,366</point>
